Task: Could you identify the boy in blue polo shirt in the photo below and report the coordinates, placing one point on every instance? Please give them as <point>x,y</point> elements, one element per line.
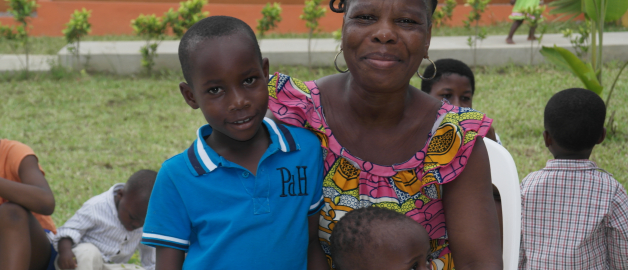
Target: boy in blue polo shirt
<point>247,193</point>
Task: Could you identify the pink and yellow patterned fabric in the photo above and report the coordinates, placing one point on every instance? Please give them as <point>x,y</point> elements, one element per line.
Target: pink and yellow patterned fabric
<point>413,188</point>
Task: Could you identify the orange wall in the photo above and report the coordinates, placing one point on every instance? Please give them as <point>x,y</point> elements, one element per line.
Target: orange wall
<point>113,18</point>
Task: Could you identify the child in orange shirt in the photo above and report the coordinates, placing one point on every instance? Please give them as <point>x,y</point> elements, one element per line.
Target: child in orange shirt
<point>26,203</point>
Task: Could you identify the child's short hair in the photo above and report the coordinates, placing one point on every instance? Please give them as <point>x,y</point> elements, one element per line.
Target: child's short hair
<point>353,232</point>
<point>574,118</point>
<point>207,28</point>
<point>141,184</point>
<point>445,67</point>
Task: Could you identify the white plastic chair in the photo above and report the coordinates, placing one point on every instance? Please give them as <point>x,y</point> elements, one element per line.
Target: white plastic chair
<point>505,178</point>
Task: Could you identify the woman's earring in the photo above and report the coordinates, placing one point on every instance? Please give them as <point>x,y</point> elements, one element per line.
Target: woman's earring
<point>433,75</point>
<point>336,64</point>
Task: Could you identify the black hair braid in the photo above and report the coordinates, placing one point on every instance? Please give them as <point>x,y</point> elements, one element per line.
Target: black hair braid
<point>341,6</point>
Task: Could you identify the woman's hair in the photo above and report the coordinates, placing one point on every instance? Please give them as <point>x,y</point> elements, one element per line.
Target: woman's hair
<point>342,4</point>
<point>446,67</point>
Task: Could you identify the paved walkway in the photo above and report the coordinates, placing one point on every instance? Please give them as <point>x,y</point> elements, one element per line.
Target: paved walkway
<point>123,57</point>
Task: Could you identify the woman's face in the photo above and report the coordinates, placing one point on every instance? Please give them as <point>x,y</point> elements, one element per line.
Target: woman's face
<point>384,42</point>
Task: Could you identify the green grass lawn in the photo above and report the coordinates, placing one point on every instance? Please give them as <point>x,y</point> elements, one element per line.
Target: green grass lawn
<point>52,45</point>
<point>91,132</point>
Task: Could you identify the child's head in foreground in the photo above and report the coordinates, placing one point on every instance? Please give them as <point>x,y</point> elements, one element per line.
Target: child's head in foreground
<point>378,238</point>
<point>574,123</point>
<point>132,200</point>
<point>453,81</point>
<point>225,76</point>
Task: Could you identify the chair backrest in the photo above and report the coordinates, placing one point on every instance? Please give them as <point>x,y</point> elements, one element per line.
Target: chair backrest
<point>505,178</point>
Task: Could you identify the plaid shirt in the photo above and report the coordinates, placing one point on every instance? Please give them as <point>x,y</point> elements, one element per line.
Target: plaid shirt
<point>574,216</point>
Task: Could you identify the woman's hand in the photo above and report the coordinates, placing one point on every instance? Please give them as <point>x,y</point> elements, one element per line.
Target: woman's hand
<point>471,216</point>
<point>491,134</point>
<point>315,256</point>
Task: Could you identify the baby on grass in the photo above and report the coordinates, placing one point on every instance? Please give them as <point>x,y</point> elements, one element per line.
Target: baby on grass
<point>375,238</point>
<point>107,229</point>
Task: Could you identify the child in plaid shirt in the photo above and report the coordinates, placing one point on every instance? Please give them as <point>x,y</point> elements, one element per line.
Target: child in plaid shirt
<point>574,214</point>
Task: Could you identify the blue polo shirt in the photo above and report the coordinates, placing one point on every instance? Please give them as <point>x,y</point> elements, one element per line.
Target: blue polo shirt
<point>225,217</point>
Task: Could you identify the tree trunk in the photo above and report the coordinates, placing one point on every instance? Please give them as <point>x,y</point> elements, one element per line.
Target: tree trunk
<point>309,49</point>
<point>26,49</point>
<point>78,53</point>
<point>533,26</point>
<point>601,18</point>
<point>475,42</point>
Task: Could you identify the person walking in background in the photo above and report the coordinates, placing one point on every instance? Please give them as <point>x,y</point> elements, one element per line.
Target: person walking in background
<point>518,16</point>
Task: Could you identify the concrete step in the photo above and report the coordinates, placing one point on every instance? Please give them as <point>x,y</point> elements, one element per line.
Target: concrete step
<point>11,62</point>
<point>123,57</point>
<point>493,51</point>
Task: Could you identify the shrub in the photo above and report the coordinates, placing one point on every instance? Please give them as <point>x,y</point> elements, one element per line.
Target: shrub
<point>579,41</point>
<point>445,13</point>
<point>152,29</point>
<point>77,28</point>
<point>534,17</point>
<point>271,16</point>
<point>312,12</point>
<point>473,21</point>
<point>189,13</point>
<point>21,11</point>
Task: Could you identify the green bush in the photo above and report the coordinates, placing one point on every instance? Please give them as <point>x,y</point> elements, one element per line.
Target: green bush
<point>21,11</point>
<point>271,16</point>
<point>580,41</point>
<point>445,13</point>
<point>152,29</point>
<point>473,21</point>
<point>534,18</point>
<point>77,28</point>
<point>189,13</point>
<point>312,12</point>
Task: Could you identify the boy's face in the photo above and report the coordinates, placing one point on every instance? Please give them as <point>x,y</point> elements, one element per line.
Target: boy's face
<point>455,88</point>
<point>398,249</point>
<point>131,210</point>
<point>229,85</point>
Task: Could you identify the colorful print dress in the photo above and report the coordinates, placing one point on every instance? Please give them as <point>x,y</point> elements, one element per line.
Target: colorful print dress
<point>413,188</point>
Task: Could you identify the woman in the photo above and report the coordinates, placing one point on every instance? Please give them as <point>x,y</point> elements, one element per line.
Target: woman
<point>518,15</point>
<point>390,145</point>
